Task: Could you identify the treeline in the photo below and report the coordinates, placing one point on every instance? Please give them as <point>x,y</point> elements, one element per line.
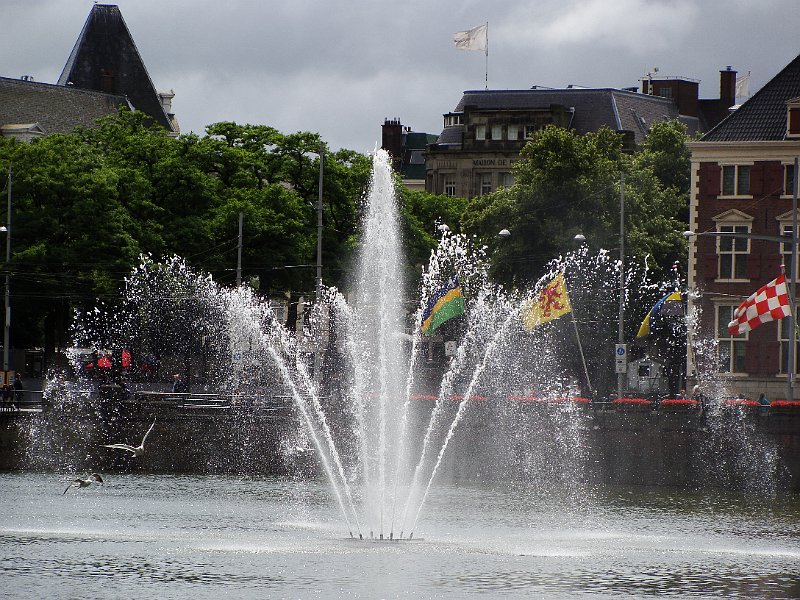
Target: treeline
<point>88,204</point>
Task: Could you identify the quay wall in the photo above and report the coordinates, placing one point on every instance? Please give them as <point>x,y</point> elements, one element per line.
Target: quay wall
<point>534,443</point>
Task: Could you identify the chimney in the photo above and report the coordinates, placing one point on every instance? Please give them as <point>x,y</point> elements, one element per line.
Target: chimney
<point>727,86</point>
<point>166,100</point>
<point>392,140</point>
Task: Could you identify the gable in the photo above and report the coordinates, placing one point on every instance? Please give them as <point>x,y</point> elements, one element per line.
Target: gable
<point>105,59</point>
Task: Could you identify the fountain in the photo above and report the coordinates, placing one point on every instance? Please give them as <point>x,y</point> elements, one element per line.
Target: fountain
<point>377,419</point>
<point>520,485</point>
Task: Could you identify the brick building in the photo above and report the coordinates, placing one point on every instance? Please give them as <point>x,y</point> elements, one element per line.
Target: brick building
<point>742,178</point>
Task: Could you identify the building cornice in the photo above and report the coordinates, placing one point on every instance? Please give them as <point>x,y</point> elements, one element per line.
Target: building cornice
<point>752,151</point>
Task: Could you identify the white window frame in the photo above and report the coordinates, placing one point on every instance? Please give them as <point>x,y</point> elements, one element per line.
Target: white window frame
<point>737,170</point>
<point>497,132</point>
<point>738,249</point>
<point>449,184</point>
<point>728,344</point>
<point>530,131</point>
<point>788,170</point>
<point>786,251</point>
<point>512,132</point>
<point>480,132</point>
<point>506,179</point>
<point>484,183</point>
<point>783,355</point>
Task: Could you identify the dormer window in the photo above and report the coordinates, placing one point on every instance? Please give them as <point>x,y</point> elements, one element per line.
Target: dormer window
<point>793,118</point>
<point>453,119</point>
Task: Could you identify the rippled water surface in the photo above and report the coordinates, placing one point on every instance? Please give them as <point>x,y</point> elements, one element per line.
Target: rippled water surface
<point>203,537</point>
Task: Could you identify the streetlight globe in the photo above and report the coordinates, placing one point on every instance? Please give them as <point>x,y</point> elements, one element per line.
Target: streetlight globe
<point>687,234</point>
<point>504,233</point>
<point>580,238</point>
<point>443,227</point>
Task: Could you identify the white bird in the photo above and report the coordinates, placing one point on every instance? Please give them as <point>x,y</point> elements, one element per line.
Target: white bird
<point>82,483</point>
<point>138,450</point>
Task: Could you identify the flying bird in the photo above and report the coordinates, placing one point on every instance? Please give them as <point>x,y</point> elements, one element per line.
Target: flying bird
<point>137,450</point>
<point>82,483</point>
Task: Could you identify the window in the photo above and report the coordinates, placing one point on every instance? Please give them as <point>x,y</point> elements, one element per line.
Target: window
<point>784,333</point>
<point>497,132</point>
<point>513,132</point>
<point>451,120</point>
<point>736,180</point>
<point>480,132</point>
<point>730,348</point>
<point>665,92</point>
<point>506,179</point>
<point>793,125</point>
<point>530,131</point>
<point>788,180</point>
<point>786,251</point>
<point>449,185</point>
<point>732,252</point>
<point>485,183</point>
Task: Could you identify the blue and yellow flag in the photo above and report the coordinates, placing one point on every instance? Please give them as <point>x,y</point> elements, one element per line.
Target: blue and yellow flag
<point>669,305</point>
<point>444,304</point>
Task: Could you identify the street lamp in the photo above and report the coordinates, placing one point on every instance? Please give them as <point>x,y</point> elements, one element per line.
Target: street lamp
<point>7,329</point>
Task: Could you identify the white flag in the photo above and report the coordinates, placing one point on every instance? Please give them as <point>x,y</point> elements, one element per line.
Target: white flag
<point>474,39</point>
<point>743,86</point>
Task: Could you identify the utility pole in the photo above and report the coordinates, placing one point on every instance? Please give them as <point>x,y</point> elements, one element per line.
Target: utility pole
<point>621,326</point>
<point>318,344</point>
<point>239,252</point>
<point>792,284</point>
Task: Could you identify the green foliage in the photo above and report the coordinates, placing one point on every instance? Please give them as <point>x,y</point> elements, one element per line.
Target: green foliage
<point>568,184</point>
<point>87,205</point>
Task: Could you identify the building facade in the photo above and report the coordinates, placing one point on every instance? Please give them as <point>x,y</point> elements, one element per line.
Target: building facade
<point>483,136</point>
<point>742,182</point>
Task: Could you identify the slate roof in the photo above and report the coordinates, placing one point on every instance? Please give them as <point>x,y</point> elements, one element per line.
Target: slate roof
<point>105,58</point>
<point>619,110</point>
<point>58,109</point>
<point>763,116</point>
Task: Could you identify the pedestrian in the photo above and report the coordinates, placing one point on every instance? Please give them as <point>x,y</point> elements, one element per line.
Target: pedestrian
<point>6,396</point>
<point>178,384</point>
<point>18,389</point>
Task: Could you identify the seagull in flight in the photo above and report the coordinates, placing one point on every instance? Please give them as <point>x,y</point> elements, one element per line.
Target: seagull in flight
<point>137,450</point>
<point>82,483</point>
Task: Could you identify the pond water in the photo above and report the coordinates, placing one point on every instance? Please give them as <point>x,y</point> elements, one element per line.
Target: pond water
<point>207,536</point>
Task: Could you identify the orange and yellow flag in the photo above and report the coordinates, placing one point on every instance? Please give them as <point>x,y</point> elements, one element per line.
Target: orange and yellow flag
<point>551,303</point>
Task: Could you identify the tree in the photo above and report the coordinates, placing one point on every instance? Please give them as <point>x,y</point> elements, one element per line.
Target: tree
<point>566,184</point>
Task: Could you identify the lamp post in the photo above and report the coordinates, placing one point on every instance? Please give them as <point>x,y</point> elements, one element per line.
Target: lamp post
<point>7,329</point>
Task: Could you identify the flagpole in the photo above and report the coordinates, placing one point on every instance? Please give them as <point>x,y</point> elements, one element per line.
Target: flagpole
<point>580,346</point>
<point>487,56</point>
<point>583,358</point>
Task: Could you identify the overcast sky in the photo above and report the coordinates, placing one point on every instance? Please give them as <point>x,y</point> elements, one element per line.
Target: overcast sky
<point>340,67</point>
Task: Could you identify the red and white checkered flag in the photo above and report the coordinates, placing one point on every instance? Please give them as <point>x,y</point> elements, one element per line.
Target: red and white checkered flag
<point>769,303</point>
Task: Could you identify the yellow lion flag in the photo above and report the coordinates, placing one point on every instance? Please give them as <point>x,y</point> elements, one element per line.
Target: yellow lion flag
<point>551,303</point>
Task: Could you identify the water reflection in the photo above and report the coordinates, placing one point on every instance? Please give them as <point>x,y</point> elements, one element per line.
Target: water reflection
<point>200,537</point>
